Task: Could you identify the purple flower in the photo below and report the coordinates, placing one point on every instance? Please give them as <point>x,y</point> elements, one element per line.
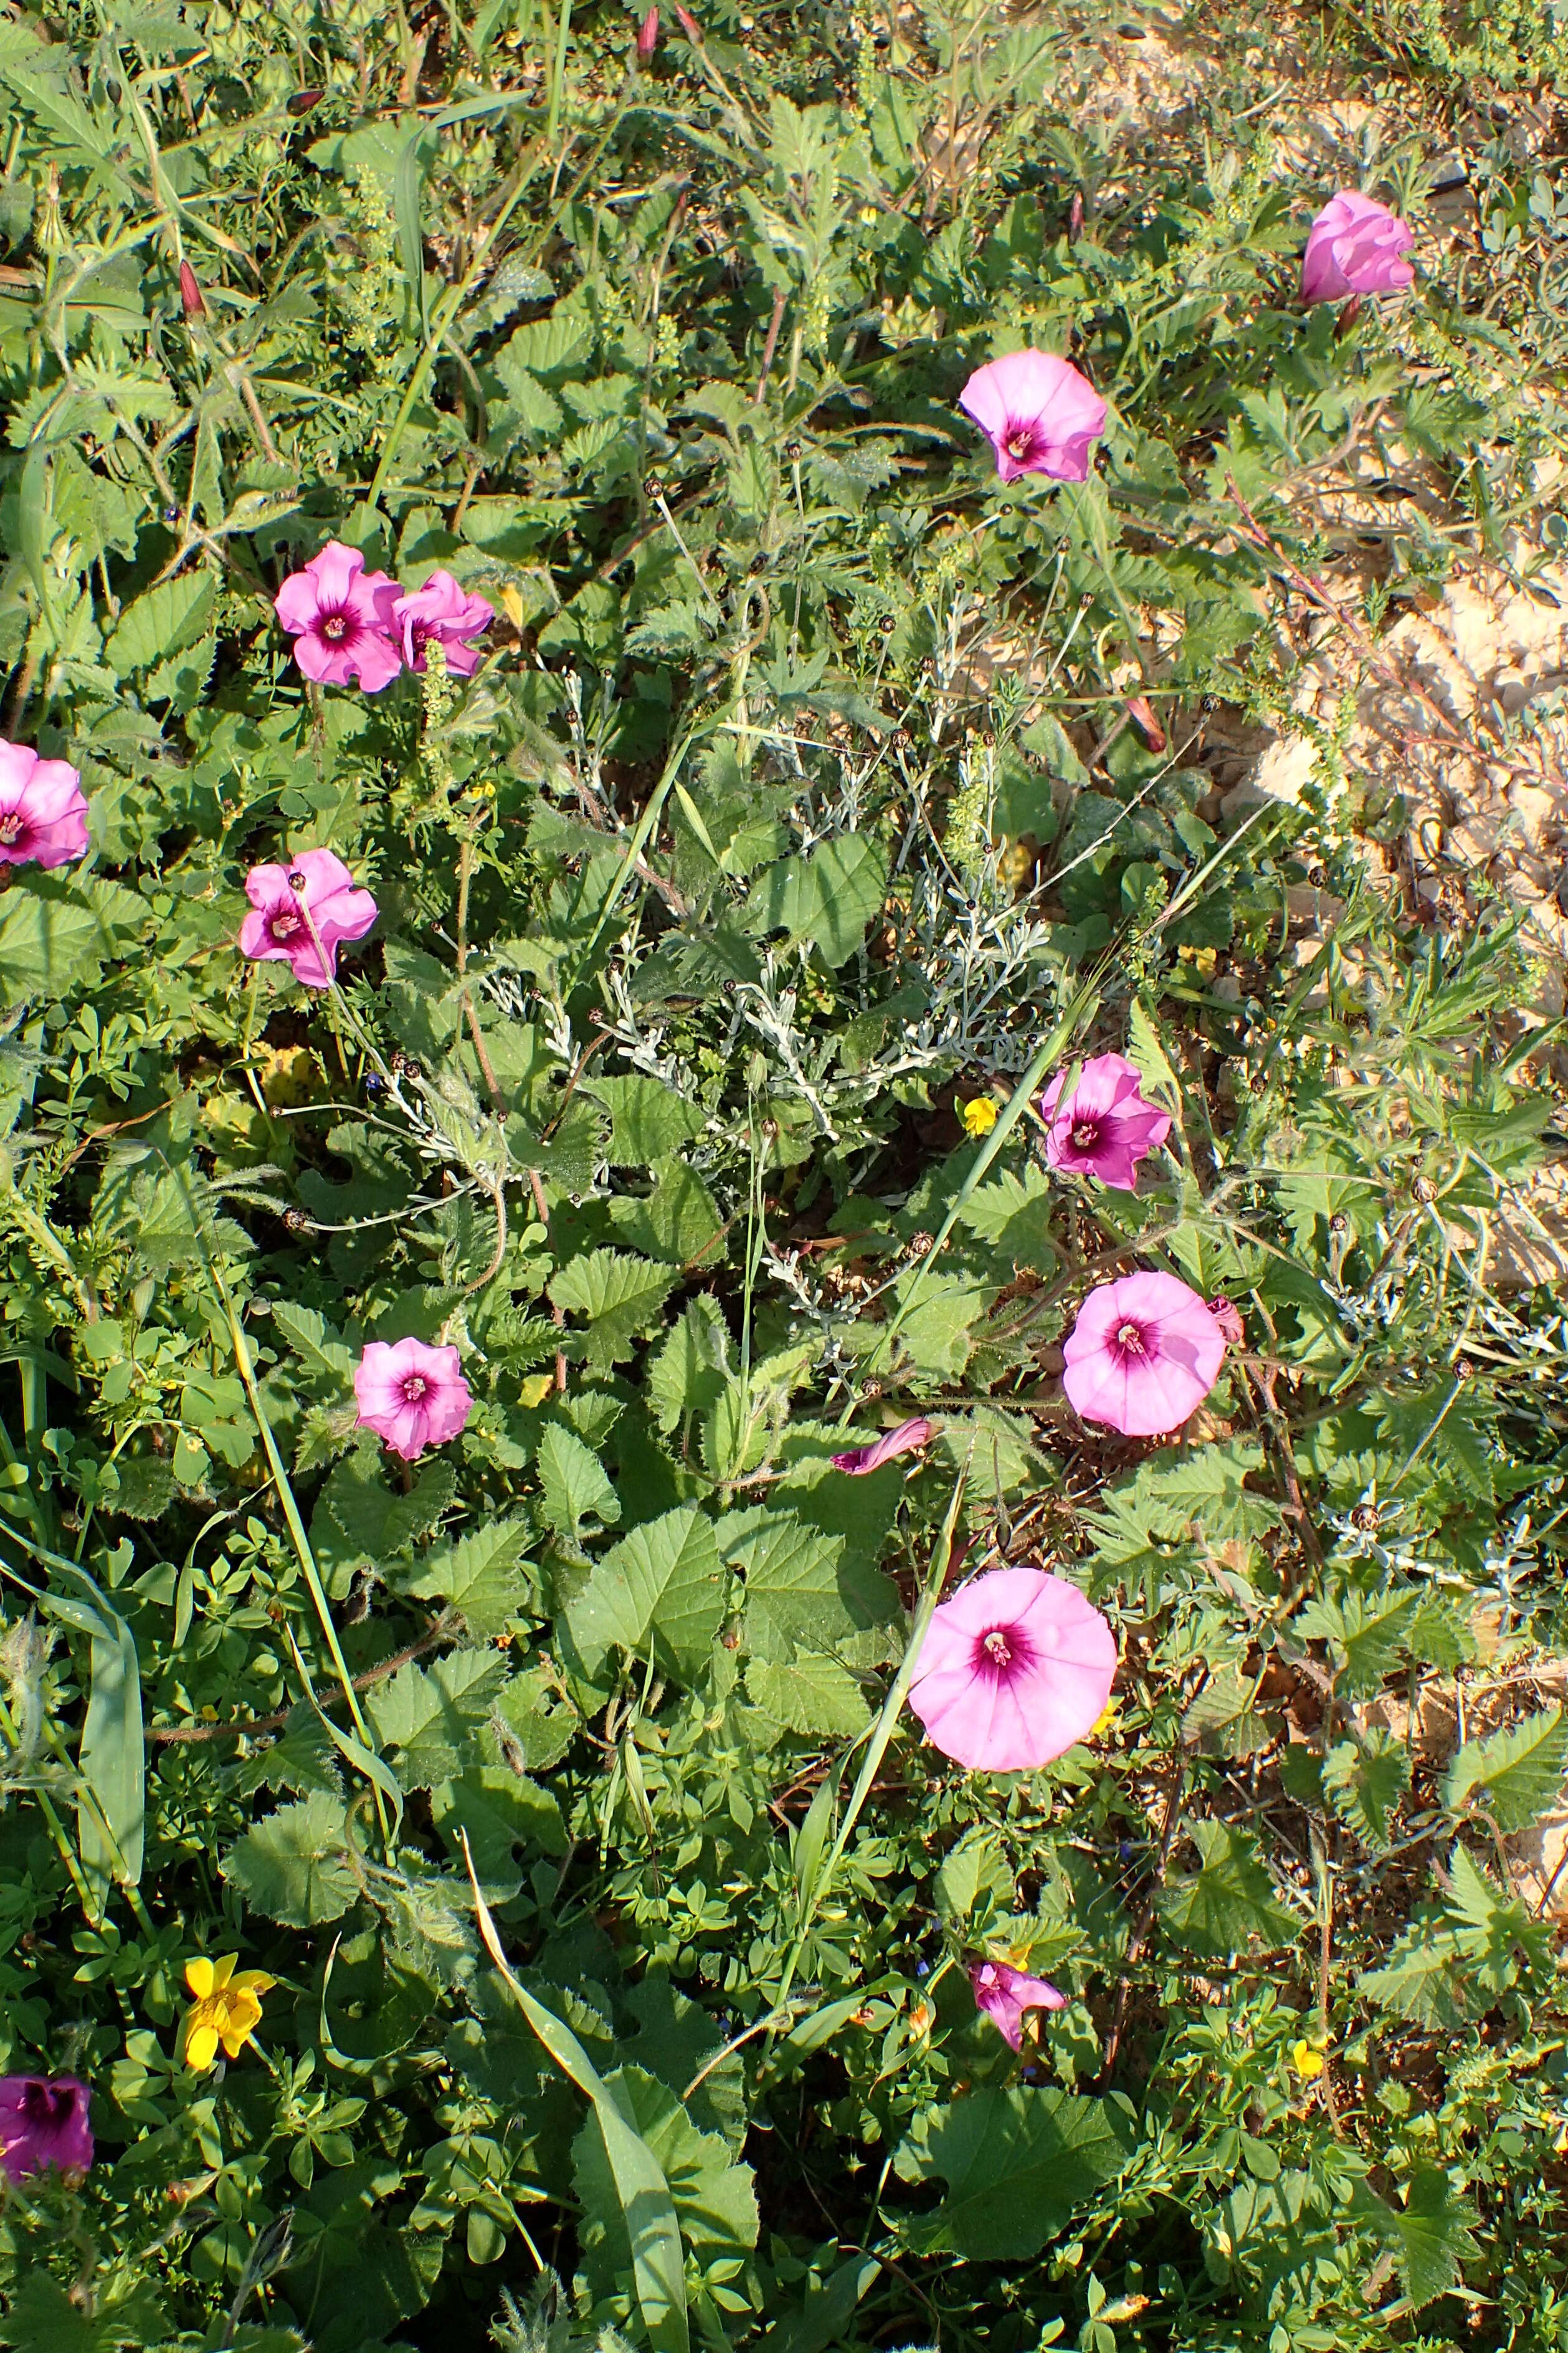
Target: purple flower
<point>1039,414</point>
<point>1227,1315</point>
<point>1106,1127</point>
<point>43,814</point>
<point>1143,1355</point>
<point>1005,1994</point>
<point>42,2121</point>
<point>1013,1670</point>
<point>318,883</point>
<point>1355,246</point>
<point>340,618</point>
<point>411,1395</point>
<point>441,609</point>
<point>908,1437</point>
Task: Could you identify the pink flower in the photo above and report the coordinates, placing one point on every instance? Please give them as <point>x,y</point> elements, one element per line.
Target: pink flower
<point>1355,246</point>
<point>1013,1668</point>
<point>340,618</point>
<point>1106,1127</point>
<point>412,1396</point>
<point>905,1439</point>
<point>43,2121</point>
<point>1040,413</point>
<point>1005,1994</point>
<point>647,37</point>
<point>1143,1355</point>
<point>1227,1315</point>
<point>441,609</point>
<point>316,883</point>
<point>43,814</point>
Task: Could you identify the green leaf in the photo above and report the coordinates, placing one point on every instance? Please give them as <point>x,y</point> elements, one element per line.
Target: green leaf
<point>1365,1633</point>
<point>52,931</point>
<point>1433,2237</point>
<point>688,1374</point>
<point>1517,1772</point>
<point>163,621</point>
<point>1228,1900</point>
<point>1420,1980</point>
<point>42,2317</point>
<point>648,1121</point>
<point>506,1817</point>
<point>794,1598</point>
<point>358,1518</point>
<point>574,1483</point>
<point>1364,1782</point>
<point>679,1221</point>
<point>480,1576</point>
<point>810,1694</point>
<point>664,1580</point>
<point>714,2200</point>
<point>430,1714</point>
<point>826,897</point>
<point>621,1297</point>
<point>293,1866</point>
<point>1017,2164</point>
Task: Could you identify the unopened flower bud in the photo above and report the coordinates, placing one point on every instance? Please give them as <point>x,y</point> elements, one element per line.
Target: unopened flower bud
<point>689,25</point>
<point>191,293</point>
<point>647,38</point>
<point>1141,712</point>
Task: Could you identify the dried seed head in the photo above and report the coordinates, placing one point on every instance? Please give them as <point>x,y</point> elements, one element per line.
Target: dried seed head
<point>1424,1189</point>
<point>1365,1517</point>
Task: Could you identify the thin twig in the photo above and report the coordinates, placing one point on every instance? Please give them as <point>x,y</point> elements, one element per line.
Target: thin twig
<point>1146,1918</point>
<point>780,298</point>
<point>168,1733</point>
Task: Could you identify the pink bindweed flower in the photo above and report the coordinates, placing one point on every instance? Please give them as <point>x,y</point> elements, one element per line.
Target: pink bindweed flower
<point>315,893</point>
<point>1227,1315</point>
<point>1105,1127</point>
<point>1355,246</point>
<point>906,1440</point>
<point>42,2121</point>
<point>647,37</point>
<point>43,811</point>
<point>441,609</point>
<point>191,301</point>
<point>1143,1355</point>
<point>689,25</point>
<point>340,618</point>
<point>1005,1994</point>
<point>1013,1670</point>
<point>410,1395</point>
<point>1141,712</point>
<point>1039,414</point>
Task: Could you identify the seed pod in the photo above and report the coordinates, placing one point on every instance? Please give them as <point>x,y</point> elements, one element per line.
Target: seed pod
<point>1424,1190</point>
<point>887,625</point>
<point>296,1222</point>
<point>1365,1517</point>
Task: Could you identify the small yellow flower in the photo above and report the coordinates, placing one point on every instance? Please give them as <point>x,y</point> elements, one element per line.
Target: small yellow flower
<point>513,607</point>
<point>1307,2063</point>
<point>869,213</point>
<point>1104,1720</point>
<point>227,2008</point>
<point>979,1117</point>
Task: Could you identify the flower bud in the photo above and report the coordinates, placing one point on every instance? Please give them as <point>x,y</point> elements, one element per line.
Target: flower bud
<point>1141,712</point>
<point>191,293</point>
<point>689,25</point>
<point>647,37</point>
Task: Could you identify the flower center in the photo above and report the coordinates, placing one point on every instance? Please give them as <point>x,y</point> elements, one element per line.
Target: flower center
<point>283,924</point>
<point>413,1388</point>
<point>1129,1336</point>
<point>45,2103</point>
<point>997,1648</point>
<point>1086,1135</point>
<point>1020,442</point>
<point>337,626</point>
<point>13,826</point>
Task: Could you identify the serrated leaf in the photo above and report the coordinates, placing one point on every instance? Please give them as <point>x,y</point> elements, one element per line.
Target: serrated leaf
<point>714,2199</point>
<point>574,1484</point>
<point>679,1221</point>
<point>1017,2164</point>
<point>810,1695</point>
<point>797,1596</point>
<point>1517,1772</point>
<point>314,1342</point>
<point>160,622</point>
<point>689,1372</point>
<point>826,897</point>
<point>1363,1781</point>
<point>1432,2237</point>
<point>358,1518</point>
<point>1228,1900</point>
<point>621,1297</point>
<point>1365,1633</point>
<point>430,1714</point>
<point>664,1582</point>
<point>302,1758</point>
<point>648,1121</point>
<point>479,1574</point>
<point>293,1867</point>
<point>53,930</point>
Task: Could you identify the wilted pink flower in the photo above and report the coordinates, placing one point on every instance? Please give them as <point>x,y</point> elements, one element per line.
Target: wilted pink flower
<point>1039,414</point>
<point>689,25</point>
<point>43,812</point>
<point>191,301</point>
<point>1105,1127</point>
<point>441,609</point>
<point>42,2121</point>
<point>1227,1315</point>
<point>1355,246</point>
<point>340,618</point>
<point>1143,1355</point>
<point>1013,1668</point>
<point>647,37</point>
<point>908,1437</point>
<point>316,885</point>
<point>412,1396</point>
<point>1141,712</point>
<point>1005,1994</point>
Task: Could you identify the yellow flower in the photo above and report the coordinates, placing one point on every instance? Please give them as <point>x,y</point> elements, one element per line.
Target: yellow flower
<point>1104,1720</point>
<point>979,1117</point>
<point>227,2008</point>
<point>1307,2062</point>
